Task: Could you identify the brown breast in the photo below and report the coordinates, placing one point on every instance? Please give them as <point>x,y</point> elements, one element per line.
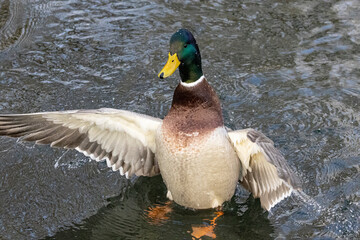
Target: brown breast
<point>195,111</point>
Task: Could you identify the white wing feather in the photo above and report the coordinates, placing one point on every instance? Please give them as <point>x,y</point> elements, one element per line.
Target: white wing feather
<point>126,140</point>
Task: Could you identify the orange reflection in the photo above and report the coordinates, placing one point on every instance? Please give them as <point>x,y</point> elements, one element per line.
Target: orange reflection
<point>157,214</point>
<point>206,230</point>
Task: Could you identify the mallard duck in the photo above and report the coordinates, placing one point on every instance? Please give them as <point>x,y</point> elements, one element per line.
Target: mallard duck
<point>200,160</point>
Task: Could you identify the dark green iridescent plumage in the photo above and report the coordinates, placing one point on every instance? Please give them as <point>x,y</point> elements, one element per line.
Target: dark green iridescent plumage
<point>183,43</point>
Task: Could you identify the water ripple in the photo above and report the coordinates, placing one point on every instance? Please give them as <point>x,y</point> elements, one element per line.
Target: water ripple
<point>18,21</point>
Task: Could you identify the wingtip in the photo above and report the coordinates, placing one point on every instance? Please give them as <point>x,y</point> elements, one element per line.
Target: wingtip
<point>270,200</point>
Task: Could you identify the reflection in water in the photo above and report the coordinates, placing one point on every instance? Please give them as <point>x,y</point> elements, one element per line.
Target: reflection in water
<point>158,214</point>
<point>125,216</point>
<point>286,68</point>
<point>206,229</point>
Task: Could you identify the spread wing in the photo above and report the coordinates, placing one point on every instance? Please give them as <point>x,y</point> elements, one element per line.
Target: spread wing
<point>265,172</point>
<point>126,140</point>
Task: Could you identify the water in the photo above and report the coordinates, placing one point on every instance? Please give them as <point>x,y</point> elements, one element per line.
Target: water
<point>288,69</point>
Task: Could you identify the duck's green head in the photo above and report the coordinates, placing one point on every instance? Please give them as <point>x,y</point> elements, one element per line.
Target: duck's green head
<point>185,54</point>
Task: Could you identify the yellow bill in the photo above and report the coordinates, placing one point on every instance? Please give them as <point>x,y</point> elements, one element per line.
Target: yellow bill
<point>170,67</point>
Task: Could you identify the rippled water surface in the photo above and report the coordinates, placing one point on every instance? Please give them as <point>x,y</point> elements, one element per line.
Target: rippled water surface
<point>287,68</point>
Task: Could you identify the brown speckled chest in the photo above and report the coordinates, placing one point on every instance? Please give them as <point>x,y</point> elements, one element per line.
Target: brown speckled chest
<point>195,111</point>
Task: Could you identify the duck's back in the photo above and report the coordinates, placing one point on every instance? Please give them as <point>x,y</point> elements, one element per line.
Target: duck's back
<point>196,159</point>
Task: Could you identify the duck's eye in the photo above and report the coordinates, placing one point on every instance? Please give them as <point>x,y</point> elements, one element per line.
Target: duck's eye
<point>185,45</point>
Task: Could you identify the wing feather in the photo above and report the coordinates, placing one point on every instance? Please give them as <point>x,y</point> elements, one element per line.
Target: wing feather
<point>265,172</point>
<point>126,140</point>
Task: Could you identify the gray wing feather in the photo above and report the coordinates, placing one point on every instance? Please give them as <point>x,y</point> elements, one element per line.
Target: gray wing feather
<point>275,157</point>
<point>265,172</point>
